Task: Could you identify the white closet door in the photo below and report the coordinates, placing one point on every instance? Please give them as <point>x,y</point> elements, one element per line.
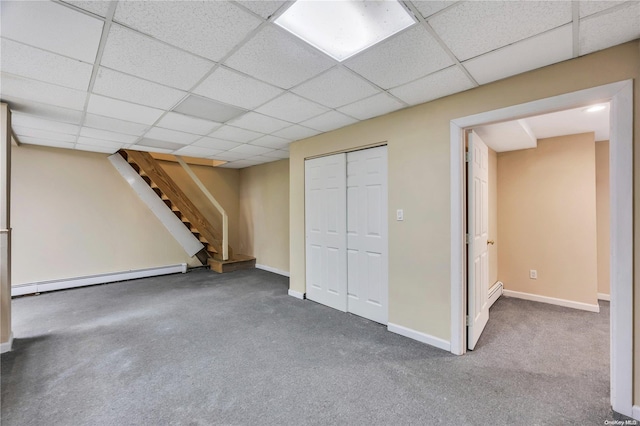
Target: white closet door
<point>367,241</point>
<point>325,223</point>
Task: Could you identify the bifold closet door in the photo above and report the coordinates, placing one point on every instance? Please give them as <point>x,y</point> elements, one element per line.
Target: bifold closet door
<point>326,229</point>
<point>367,241</point>
<point>346,232</point>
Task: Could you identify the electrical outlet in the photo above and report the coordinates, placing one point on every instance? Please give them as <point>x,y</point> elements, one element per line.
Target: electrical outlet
<point>399,214</point>
<point>533,274</point>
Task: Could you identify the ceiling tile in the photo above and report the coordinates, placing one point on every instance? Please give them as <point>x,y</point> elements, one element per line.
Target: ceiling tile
<point>53,27</point>
<point>45,142</point>
<point>428,8</point>
<point>535,52</point>
<point>207,28</point>
<point>494,24</point>
<point>37,91</point>
<point>155,143</point>
<point>405,57</point>
<point>33,122</point>
<point>329,121</point>
<point>197,151</point>
<point>235,134</point>
<point>259,123</point>
<point>277,154</point>
<point>296,132</point>
<point>97,7</point>
<point>106,135</point>
<point>291,108</point>
<point>237,89</point>
<point>372,107</point>
<point>590,7</point>
<point>270,141</point>
<point>228,156</point>
<point>436,85</point>
<point>150,59</point>
<point>275,56</point>
<point>261,159</point>
<point>45,134</point>
<point>120,126</point>
<point>151,149</point>
<point>263,8</point>
<point>91,148</point>
<point>609,29</point>
<point>45,111</point>
<point>185,123</point>
<point>122,86</point>
<point>217,144</point>
<point>335,88</point>
<point>122,110</point>
<point>240,164</point>
<point>208,109</point>
<point>171,136</point>
<point>37,64</point>
<point>249,150</point>
<point>83,140</point>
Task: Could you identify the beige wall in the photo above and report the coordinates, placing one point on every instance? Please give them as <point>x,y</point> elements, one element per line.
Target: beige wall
<point>74,215</point>
<point>493,218</point>
<point>223,184</point>
<point>602,214</point>
<point>264,213</point>
<point>547,210</point>
<point>419,180</point>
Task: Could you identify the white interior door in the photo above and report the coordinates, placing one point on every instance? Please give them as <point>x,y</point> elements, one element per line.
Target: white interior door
<point>477,229</point>
<point>367,252</point>
<point>325,223</point>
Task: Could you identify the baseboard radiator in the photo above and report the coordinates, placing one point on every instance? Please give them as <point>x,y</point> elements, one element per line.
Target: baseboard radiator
<point>495,292</point>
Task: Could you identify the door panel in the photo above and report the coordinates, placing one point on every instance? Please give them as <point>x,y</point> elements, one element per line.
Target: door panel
<point>325,225</point>
<point>478,228</point>
<point>367,233</point>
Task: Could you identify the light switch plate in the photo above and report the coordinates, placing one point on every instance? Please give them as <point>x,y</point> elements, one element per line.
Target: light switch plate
<point>399,214</point>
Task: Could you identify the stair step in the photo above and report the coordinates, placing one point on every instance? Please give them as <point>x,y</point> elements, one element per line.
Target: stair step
<point>237,262</point>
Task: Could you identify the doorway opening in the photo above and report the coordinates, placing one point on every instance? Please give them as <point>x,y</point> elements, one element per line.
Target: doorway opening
<point>620,97</point>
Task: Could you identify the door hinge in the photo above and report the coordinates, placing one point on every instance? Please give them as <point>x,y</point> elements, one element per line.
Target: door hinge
<point>466,238</point>
<point>467,320</point>
<point>467,157</point>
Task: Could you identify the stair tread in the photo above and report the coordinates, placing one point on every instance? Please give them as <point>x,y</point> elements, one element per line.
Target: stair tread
<point>235,263</point>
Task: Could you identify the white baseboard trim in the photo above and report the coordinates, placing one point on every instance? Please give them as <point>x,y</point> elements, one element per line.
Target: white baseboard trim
<point>419,336</point>
<point>6,346</point>
<point>552,301</point>
<point>635,412</point>
<point>604,296</point>
<point>296,294</point>
<point>270,269</point>
<point>495,292</point>
<point>44,286</point>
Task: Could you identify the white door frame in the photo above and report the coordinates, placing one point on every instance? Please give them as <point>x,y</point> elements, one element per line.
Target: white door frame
<point>620,95</point>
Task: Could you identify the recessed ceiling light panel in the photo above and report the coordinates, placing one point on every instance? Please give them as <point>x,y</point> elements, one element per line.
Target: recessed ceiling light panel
<point>343,28</point>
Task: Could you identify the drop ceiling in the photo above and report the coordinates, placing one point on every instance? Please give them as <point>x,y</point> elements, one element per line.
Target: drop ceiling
<point>221,80</point>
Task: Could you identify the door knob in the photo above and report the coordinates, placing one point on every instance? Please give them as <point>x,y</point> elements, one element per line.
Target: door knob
<point>490,242</point>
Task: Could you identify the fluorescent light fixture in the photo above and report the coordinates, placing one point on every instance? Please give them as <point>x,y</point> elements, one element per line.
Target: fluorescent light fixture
<point>595,108</point>
<point>343,28</point>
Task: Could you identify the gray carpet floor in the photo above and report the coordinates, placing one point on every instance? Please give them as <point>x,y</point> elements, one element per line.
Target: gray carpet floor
<point>235,349</point>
